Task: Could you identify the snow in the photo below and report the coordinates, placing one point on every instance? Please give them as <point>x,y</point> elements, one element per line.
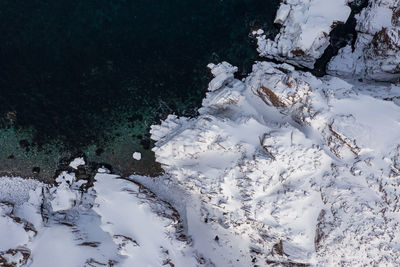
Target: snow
<point>281,14</point>
<point>114,222</point>
<point>304,34</point>
<point>77,162</point>
<point>16,190</point>
<point>64,197</point>
<point>141,234</point>
<point>376,54</point>
<point>223,73</point>
<point>294,155</point>
<point>63,254</point>
<point>13,233</point>
<point>137,155</point>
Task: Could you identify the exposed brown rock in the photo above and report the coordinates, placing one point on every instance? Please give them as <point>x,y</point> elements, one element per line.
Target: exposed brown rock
<point>268,96</point>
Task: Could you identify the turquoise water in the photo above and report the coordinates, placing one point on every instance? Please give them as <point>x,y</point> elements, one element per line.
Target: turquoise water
<point>92,76</point>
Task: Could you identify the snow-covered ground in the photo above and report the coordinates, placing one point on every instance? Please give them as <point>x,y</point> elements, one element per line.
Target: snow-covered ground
<point>279,168</point>
<point>115,222</point>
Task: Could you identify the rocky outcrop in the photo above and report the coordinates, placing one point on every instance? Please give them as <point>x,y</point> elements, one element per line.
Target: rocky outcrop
<point>376,52</point>
<point>114,222</point>
<point>305,26</point>
<point>303,169</point>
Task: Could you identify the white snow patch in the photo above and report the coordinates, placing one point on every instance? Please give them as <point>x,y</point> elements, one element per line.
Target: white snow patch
<point>77,162</point>
<point>15,189</point>
<point>137,155</point>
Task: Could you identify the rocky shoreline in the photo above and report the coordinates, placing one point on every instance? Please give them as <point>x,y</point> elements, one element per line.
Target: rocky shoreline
<point>279,168</point>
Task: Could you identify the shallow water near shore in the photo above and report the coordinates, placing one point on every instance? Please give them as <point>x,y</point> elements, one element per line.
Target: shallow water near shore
<point>92,76</point>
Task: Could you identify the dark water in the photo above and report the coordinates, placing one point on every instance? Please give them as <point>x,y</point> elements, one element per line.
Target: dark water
<point>84,74</point>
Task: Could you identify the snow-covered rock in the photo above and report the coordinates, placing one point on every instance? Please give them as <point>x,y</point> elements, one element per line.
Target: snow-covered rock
<point>305,28</point>
<point>290,163</point>
<point>114,223</point>
<point>147,232</point>
<point>77,162</point>
<point>16,190</point>
<point>376,53</point>
<point>16,232</point>
<point>64,196</point>
<point>223,73</point>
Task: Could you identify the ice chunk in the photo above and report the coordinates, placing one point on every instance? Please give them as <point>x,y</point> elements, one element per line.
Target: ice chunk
<point>77,162</point>
<point>137,155</point>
